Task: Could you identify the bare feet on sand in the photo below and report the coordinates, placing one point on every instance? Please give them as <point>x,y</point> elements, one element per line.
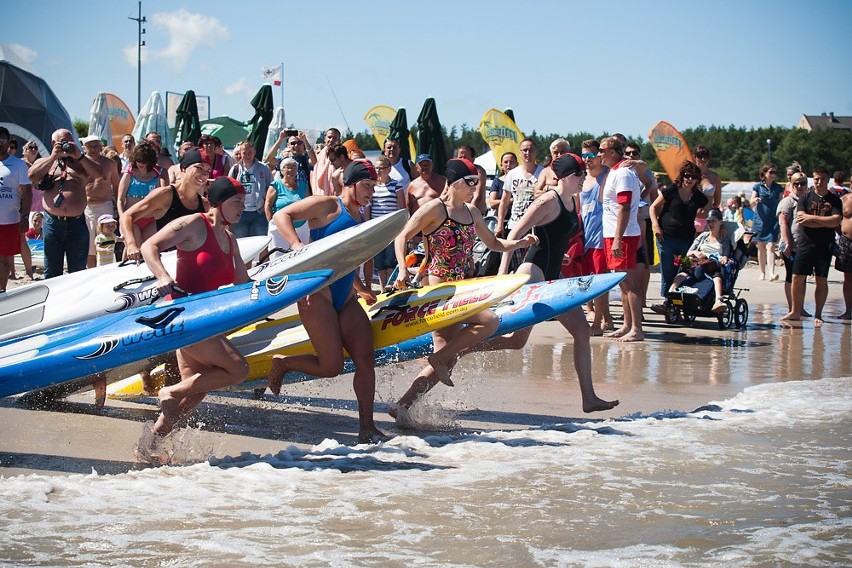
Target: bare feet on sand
<point>169,412</point>
<point>596,331</point>
<point>631,337</point>
<point>790,316</point>
<point>442,371</point>
<point>276,375</point>
<point>372,436</point>
<point>150,448</point>
<point>598,405</point>
<point>621,331</point>
<point>844,316</point>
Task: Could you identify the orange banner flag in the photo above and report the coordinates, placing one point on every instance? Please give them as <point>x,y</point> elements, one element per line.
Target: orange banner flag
<point>670,147</point>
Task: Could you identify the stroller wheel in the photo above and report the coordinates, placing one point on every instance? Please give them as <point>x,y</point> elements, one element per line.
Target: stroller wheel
<point>672,313</point>
<point>740,313</point>
<point>726,318</point>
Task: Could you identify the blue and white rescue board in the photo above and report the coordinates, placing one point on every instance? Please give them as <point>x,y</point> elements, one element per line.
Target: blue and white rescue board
<point>113,344</point>
<point>90,293</point>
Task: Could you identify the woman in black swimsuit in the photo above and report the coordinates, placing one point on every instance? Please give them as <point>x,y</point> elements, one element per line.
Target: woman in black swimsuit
<point>552,219</point>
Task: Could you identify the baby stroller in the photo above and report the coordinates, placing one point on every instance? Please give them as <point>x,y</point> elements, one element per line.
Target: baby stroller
<point>696,297</point>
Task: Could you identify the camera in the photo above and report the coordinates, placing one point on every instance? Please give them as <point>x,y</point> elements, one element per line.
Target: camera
<point>291,132</point>
<point>68,147</point>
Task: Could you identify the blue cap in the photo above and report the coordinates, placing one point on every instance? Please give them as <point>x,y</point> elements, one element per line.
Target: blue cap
<point>423,158</point>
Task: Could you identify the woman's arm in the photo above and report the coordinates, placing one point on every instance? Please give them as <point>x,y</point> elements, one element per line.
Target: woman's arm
<point>123,186</point>
<point>424,220</point>
<point>310,209</point>
<point>269,202</point>
<point>240,271</point>
<point>655,211</point>
<point>502,245</point>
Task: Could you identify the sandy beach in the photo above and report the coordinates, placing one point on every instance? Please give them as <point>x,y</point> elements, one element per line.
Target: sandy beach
<point>676,368</point>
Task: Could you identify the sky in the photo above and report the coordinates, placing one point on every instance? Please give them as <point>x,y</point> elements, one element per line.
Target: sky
<point>562,66</point>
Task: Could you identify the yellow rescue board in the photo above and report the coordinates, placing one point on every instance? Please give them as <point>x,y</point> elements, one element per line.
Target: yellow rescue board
<point>394,318</point>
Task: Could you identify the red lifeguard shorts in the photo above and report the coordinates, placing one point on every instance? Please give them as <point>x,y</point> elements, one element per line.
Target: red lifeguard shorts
<point>627,261</point>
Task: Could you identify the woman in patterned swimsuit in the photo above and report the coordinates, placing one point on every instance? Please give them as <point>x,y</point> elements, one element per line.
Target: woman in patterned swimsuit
<point>450,225</point>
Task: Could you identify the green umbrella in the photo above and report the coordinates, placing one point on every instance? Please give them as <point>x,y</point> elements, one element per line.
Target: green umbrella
<point>187,125</point>
<point>259,124</point>
<point>228,130</point>
<point>430,136</point>
<point>398,130</point>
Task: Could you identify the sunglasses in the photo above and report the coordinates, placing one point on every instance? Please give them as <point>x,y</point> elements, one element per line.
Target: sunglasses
<point>471,181</point>
<point>689,177</point>
<point>772,172</point>
<point>632,153</point>
<point>702,157</point>
<point>295,143</point>
<point>800,183</point>
<point>589,155</point>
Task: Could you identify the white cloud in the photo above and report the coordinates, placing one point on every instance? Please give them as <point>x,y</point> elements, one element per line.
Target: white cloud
<point>130,55</point>
<point>239,86</point>
<point>187,32</point>
<point>28,55</point>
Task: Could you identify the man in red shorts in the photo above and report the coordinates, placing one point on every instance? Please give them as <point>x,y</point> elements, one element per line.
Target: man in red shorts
<point>622,233</point>
<point>15,200</point>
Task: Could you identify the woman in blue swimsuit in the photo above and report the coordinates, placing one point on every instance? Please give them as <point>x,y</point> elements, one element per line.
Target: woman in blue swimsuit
<point>332,317</point>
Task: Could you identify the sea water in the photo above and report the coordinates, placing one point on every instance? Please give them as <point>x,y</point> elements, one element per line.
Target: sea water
<point>757,478</point>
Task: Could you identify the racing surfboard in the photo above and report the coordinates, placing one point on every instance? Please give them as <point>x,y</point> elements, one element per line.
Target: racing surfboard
<point>394,318</point>
<point>105,346</point>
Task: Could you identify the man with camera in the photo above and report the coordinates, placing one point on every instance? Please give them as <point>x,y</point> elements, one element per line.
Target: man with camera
<point>63,176</point>
<point>298,147</point>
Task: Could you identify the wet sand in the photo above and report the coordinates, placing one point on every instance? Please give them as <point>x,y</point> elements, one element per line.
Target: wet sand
<point>676,368</point>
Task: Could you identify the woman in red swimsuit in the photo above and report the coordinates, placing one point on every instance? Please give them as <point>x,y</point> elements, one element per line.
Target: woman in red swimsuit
<point>207,257</point>
<point>449,225</point>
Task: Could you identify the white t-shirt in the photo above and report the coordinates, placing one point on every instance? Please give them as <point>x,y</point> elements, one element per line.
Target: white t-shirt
<point>401,176</point>
<point>621,180</point>
<point>520,184</point>
<point>13,174</point>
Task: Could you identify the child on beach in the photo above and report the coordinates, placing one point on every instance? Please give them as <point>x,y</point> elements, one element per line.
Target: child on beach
<point>106,239</point>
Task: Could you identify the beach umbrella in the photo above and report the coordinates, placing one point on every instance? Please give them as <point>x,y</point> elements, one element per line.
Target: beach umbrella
<point>430,136</point>
<point>275,127</point>
<point>152,118</point>
<point>187,125</point>
<point>259,123</point>
<point>398,130</point>
<point>99,119</point>
<point>227,129</point>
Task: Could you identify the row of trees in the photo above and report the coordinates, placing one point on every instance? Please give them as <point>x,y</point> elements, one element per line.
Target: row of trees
<point>737,153</point>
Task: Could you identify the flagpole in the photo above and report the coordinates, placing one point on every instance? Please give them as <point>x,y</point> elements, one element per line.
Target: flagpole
<point>282,85</point>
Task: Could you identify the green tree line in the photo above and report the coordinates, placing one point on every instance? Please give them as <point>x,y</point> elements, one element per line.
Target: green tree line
<point>737,153</point>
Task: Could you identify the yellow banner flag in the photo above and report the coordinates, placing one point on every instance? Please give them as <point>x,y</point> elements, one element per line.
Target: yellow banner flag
<point>670,147</point>
<point>501,134</point>
<point>379,119</point>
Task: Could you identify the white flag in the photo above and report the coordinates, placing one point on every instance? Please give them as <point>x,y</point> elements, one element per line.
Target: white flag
<point>272,74</point>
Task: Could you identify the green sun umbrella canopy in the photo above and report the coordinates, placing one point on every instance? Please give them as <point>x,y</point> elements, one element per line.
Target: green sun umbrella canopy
<point>187,124</point>
<point>259,123</point>
<point>430,136</point>
<point>227,129</point>
<point>398,130</point>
